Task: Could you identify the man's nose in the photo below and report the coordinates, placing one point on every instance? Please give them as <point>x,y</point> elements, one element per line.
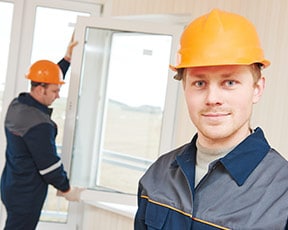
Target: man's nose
<point>214,95</point>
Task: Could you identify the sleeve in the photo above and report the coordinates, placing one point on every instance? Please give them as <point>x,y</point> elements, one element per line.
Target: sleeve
<point>64,66</point>
<point>40,141</point>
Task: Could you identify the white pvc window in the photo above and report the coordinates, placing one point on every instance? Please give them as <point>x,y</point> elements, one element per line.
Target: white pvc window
<point>120,114</point>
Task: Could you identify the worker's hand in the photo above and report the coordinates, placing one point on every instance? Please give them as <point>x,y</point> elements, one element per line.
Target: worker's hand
<point>70,48</point>
<point>73,194</point>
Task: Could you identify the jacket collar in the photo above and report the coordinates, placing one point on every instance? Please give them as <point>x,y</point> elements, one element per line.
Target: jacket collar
<point>239,163</point>
<point>243,159</point>
<point>27,99</point>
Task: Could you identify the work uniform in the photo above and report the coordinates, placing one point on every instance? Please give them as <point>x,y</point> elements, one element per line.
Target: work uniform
<point>246,189</point>
<point>32,161</point>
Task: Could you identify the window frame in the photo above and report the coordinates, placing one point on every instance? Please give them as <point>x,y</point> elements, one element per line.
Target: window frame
<point>170,114</point>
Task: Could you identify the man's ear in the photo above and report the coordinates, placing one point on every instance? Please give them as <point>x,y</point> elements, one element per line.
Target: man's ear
<point>258,89</point>
<point>37,91</point>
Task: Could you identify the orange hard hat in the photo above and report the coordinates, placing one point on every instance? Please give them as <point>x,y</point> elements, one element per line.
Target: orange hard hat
<point>219,38</point>
<point>45,71</point>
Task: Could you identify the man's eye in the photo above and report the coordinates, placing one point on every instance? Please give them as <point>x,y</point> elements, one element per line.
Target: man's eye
<point>230,83</point>
<point>200,84</point>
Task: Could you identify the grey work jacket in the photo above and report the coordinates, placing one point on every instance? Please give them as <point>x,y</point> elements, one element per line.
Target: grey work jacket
<point>247,189</point>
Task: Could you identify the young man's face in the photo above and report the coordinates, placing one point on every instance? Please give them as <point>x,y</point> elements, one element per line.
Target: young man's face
<point>220,101</point>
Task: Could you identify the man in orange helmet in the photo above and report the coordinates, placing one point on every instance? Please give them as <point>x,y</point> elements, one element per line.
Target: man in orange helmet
<point>228,176</point>
<point>32,162</point>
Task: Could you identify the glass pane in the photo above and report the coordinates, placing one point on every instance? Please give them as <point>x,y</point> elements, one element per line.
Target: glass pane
<point>6,12</point>
<point>120,107</point>
<point>53,30</point>
<point>134,109</point>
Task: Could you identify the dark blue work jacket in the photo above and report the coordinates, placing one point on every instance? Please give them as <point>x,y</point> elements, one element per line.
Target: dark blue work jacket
<point>32,162</point>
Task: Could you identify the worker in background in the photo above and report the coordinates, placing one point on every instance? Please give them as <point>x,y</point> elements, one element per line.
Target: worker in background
<point>228,176</point>
<point>32,162</point>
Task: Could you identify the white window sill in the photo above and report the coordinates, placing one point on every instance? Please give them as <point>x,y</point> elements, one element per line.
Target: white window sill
<point>122,204</point>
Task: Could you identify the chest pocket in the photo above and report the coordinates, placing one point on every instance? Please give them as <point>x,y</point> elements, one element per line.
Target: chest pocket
<point>163,218</point>
<point>155,216</point>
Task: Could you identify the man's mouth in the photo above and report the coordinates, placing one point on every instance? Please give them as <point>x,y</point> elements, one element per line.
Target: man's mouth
<point>221,114</point>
